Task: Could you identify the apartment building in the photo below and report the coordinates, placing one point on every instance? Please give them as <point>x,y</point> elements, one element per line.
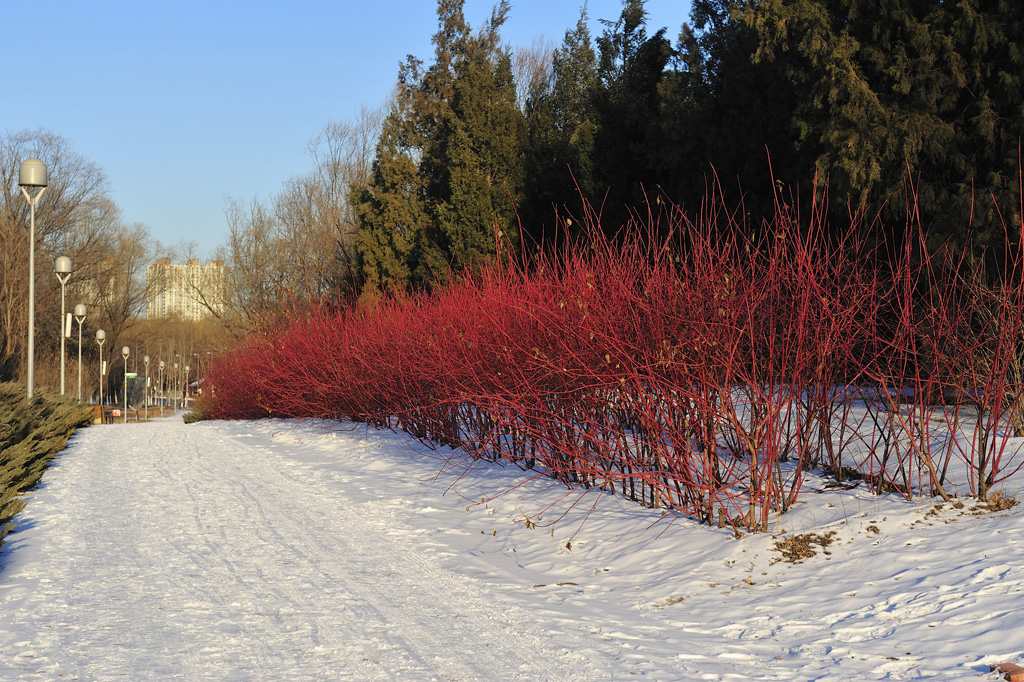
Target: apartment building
<point>189,291</point>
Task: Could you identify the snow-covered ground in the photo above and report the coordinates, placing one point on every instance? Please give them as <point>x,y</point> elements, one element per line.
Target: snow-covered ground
<point>321,550</point>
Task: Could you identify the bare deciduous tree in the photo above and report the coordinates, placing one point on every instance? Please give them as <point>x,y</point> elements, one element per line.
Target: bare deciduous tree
<point>74,218</point>
<point>121,290</point>
<point>301,248</point>
<point>532,70</point>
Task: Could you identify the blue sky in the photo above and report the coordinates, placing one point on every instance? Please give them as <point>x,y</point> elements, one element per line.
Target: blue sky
<point>187,103</point>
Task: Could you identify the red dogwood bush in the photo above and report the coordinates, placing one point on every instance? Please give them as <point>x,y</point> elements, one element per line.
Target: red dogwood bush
<point>695,363</point>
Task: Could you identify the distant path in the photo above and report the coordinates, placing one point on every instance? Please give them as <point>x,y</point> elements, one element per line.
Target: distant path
<point>166,551</point>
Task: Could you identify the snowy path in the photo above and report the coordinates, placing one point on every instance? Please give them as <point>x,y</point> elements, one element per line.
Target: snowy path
<point>169,551</point>
<point>295,550</point>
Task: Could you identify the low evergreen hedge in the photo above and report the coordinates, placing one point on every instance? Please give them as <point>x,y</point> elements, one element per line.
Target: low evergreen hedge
<point>31,435</point>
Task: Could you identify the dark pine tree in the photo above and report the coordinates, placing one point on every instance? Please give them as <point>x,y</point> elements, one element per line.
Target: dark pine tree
<point>932,87</point>
<point>561,125</point>
<point>481,151</point>
<point>631,67</point>
<point>392,208</point>
<point>448,173</point>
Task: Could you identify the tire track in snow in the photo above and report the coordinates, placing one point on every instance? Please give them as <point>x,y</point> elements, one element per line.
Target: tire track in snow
<point>390,601</point>
<point>165,550</point>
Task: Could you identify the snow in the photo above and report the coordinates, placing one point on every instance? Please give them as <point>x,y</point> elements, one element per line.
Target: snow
<point>323,550</point>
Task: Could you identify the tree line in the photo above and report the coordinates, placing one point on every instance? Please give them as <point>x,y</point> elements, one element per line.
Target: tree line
<point>748,94</point>
<point>485,146</point>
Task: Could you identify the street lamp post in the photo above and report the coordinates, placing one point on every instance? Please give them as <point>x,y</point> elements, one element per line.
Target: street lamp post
<point>62,268</point>
<point>101,337</point>
<point>185,401</point>
<point>80,311</point>
<point>199,365</point>
<point>32,175</point>
<point>161,383</point>
<point>145,361</point>
<point>124,354</point>
<point>174,390</point>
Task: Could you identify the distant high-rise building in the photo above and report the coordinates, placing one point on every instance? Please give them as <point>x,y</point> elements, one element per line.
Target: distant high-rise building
<point>190,291</point>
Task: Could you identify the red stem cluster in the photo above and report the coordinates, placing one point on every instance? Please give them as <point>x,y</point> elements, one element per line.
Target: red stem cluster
<point>698,363</point>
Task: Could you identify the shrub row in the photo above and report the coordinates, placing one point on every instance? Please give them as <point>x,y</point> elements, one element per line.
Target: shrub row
<point>697,363</point>
<point>31,434</point>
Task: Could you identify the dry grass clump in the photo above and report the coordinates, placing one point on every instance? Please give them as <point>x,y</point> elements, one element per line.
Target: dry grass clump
<point>998,501</point>
<point>798,548</point>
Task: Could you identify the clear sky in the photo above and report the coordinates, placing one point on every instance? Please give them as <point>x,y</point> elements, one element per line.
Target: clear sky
<point>186,103</point>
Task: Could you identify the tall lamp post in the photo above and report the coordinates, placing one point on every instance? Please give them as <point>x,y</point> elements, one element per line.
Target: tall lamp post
<point>62,268</point>
<point>185,402</point>
<point>32,176</point>
<point>160,381</point>
<point>80,311</point>
<point>124,354</point>
<point>177,381</point>
<point>145,402</point>
<point>101,337</point>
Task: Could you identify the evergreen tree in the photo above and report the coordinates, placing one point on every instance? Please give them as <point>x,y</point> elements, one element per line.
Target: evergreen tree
<point>391,210</point>
<point>631,67</point>
<point>925,86</point>
<point>724,113</point>
<point>855,90</point>
<point>481,152</point>
<point>561,129</point>
<point>989,108</point>
<point>448,173</point>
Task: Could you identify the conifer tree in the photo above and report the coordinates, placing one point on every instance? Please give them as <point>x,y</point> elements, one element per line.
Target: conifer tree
<point>858,91</point>
<point>391,210</point>
<point>480,151</point>
<point>561,129</point>
<point>448,176</point>
<point>631,67</point>
<point>722,112</point>
<point>928,86</point>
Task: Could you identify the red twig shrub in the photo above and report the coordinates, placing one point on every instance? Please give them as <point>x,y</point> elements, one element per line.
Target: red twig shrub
<point>697,363</point>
